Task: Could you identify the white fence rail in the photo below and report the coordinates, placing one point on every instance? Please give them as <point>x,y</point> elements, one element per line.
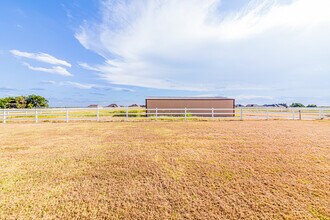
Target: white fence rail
<point>127,114</point>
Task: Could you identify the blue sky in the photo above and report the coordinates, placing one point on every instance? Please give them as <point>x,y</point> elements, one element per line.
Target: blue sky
<point>82,52</point>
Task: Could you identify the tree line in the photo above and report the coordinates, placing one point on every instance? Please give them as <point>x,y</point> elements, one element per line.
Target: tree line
<point>299,105</point>
<point>20,102</point>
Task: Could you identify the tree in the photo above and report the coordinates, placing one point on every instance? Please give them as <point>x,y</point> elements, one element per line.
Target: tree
<point>21,102</point>
<point>24,102</point>
<point>297,105</point>
<point>36,101</point>
<point>311,106</point>
<point>8,102</point>
<point>3,103</point>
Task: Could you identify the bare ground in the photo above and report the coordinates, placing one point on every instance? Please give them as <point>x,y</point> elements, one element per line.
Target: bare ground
<point>166,170</point>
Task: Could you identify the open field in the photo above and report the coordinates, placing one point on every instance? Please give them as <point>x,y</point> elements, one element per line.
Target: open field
<point>162,170</point>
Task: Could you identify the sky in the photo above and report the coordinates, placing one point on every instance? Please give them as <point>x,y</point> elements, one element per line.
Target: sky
<point>82,52</point>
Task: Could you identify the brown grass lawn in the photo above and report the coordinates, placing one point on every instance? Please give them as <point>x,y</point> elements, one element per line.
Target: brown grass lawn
<point>166,170</point>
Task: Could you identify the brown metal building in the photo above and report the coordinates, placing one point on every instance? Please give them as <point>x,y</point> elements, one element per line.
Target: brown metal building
<point>222,107</point>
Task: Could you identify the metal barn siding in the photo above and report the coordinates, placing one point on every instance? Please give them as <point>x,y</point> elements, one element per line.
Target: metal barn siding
<point>204,105</point>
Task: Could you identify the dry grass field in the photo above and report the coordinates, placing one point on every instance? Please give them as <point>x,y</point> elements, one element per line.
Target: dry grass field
<point>166,170</point>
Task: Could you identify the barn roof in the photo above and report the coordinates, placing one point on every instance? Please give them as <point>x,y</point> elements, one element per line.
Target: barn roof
<point>189,98</point>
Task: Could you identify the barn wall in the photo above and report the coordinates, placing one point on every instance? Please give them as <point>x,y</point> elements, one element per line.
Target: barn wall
<point>192,103</point>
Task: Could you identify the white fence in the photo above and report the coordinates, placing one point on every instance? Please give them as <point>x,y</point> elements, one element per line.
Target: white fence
<point>129,114</point>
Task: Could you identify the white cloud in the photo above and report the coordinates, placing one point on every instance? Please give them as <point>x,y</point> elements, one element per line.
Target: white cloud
<point>195,45</point>
<point>79,85</point>
<point>41,57</point>
<point>119,89</point>
<point>88,86</point>
<point>7,89</point>
<point>55,70</point>
<point>88,67</point>
<point>48,82</point>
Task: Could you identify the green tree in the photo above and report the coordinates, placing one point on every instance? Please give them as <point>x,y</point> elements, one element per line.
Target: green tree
<point>36,101</point>
<point>3,103</point>
<point>21,102</point>
<point>8,102</point>
<point>311,106</point>
<point>297,105</point>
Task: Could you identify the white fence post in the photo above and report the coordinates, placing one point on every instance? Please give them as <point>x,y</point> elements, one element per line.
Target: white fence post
<point>293,116</point>
<point>67,116</point>
<point>212,114</point>
<point>156,114</point>
<point>185,114</point>
<point>36,116</point>
<point>299,114</point>
<point>320,114</point>
<point>4,116</point>
<point>97,114</point>
<point>126,113</point>
<point>267,114</point>
<point>241,114</point>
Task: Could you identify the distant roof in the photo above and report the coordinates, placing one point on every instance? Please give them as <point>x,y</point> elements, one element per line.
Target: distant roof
<point>199,98</point>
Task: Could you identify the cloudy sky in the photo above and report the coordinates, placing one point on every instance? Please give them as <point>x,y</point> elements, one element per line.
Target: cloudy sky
<point>82,52</point>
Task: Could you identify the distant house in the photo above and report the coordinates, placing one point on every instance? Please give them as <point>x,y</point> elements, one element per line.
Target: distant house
<point>134,105</point>
<point>271,105</point>
<point>252,105</point>
<point>276,105</point>
<point>113,106</point>
<point>283,105</point>
<point>94,106</point>
<point>239,105</point>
